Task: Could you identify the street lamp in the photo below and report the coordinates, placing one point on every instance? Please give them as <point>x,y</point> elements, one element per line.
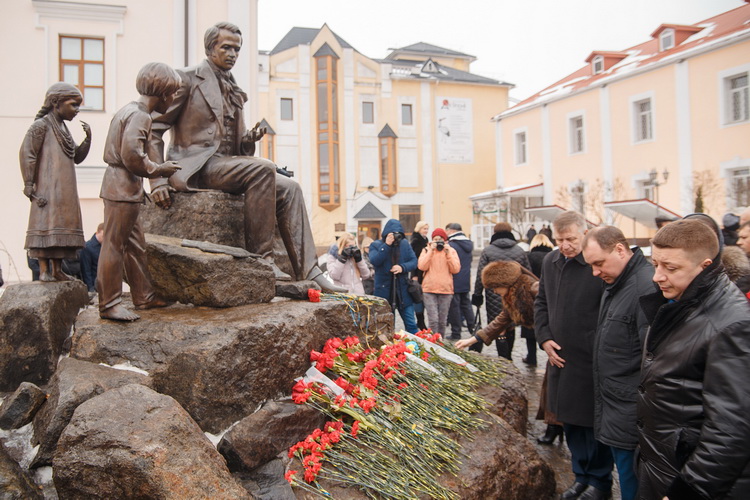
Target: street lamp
<point>653,177</point>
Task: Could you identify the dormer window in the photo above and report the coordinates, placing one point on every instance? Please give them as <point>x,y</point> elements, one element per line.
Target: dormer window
<point>598,64</point>
<point>666,39</point>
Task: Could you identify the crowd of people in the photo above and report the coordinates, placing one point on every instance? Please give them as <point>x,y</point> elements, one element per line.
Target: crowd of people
<point>648,357</point>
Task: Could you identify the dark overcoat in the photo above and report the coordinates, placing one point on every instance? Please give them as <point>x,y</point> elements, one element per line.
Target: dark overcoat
<point>382,259</point>
<point>566,311</point>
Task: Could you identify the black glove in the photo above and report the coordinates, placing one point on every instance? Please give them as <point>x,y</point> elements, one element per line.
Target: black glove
<point>357,254</point>
<point>344,255</point>
<point>477,300</point>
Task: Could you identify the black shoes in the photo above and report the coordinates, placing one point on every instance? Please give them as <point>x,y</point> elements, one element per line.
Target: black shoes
<point>592,493</point>
<point>574,491</point>
<point>552,432</point>
<point>530,363</point>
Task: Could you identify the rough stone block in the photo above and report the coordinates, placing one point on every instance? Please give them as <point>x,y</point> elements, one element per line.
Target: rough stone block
<point>74,382</point>
<point>15,483</point>
<point>192,276</point>
<point>19,408</point>
<point>35,320</point>
<point>220,364</point>
<point>132,442</point>
<point>273,429</point>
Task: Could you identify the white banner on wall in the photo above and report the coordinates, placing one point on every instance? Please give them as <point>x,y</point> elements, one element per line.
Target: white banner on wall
<point>455,136</point>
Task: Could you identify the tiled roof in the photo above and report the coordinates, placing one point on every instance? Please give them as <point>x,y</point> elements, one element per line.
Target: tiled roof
<point>429,49</point>
<point>403,68</point>
<point>303,36</point>
<point>715,30</point>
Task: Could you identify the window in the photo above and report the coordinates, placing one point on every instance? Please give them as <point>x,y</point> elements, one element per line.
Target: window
<point>666,39</point>
<point>575,126</point>
<point>643,120</point>
<point>388,166</point>
<point>266,146</point>
<point>406,115</point>
<point>738,104</point>
<point>82,65</point>
<point>329,193</point>
<point>520,148</point>
<point>578,196</point>
<point>408,216</point>
<point>368,112</point>
<point>287,108</point>
<point>598,64</point>
<point>740,187</point>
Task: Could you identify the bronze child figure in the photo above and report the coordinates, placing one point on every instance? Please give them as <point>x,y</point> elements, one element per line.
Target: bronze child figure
<point>125,152</point>
<point>48,156</point>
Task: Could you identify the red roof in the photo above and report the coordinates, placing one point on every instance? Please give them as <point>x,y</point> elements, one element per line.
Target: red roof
<point>722,27</point>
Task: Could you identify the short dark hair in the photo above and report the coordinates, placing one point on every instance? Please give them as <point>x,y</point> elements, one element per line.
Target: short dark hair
<point>607,237</point>
<point>455,226</point>
<point>157,80</point>
<point>212,34</point>
<point>567,219</point>
<point>690,235</point>
<point>502,226</point>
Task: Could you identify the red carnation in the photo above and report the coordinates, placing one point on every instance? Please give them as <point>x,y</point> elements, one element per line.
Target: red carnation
<point>313,295</point>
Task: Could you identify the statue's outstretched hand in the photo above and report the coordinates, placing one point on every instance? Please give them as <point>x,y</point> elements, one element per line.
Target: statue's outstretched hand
<point>86,129</point>
<point>162,196</point>
<point>168,169</point>
<point>256,133</point>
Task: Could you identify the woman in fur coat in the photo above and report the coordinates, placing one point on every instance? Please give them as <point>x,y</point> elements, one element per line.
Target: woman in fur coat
<point>517,288</point>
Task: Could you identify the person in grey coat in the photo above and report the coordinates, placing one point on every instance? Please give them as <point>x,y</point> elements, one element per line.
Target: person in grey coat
<point>619,337</point>
<point>566,311</point>
<point>502,246</point>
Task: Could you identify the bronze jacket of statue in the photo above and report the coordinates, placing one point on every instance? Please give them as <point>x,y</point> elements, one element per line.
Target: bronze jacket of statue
<point>197,103</point>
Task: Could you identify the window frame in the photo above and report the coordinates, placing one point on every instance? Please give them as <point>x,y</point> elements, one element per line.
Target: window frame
<point>597,61</point>
<point>410,107</point>
<point>576,146</point>
<point>517,150</point>
<point>282,117</point>
<point>667,34</point>
<point>727,98</point>
<point>329,193</point>
<point>636,130</point>
<point>81,64</point>
<point>372,113</point>
<point>388,166</point>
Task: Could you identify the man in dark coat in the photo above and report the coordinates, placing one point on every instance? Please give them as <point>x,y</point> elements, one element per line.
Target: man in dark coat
<point>694,397</point>
<point>502,246</point>
<point>215,150</point>
<point>461,303</point>
<point>617,347</point>
<point>565,317</point>
<point>393,260</point>
<point>90,258</point>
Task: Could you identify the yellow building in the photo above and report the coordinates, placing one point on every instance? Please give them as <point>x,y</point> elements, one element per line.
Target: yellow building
<point>406,137</point>
<point>633,135</point>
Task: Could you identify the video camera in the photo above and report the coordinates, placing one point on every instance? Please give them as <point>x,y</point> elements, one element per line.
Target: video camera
<point>397,237</point>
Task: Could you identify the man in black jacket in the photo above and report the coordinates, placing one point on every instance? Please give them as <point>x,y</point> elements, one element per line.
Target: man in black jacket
<point>617,346</point>
<point>565,316</point>
<point>90,258</point>
<point>461,303</point>
<point>694,397</point>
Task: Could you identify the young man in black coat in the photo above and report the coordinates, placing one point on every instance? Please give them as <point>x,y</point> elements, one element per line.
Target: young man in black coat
<point>620,332</point>
<point>693,400</point>
<point>461,304</point>
<point>566,311</point>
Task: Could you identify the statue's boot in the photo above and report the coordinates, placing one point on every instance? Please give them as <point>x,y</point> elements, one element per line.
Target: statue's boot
<point>323,282</point>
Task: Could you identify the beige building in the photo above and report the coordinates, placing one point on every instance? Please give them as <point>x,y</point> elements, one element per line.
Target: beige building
<point>635,134</point>
<point>406,137</point>
<point>409,136</point>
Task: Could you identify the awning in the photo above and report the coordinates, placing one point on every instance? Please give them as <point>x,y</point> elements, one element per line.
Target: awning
<point>642,211</point>
<point>370,211</point>
<point>547,212</point>
<point>521,190</point>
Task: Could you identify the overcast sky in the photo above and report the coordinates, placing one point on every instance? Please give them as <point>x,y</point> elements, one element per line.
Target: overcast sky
<point>530,43</point>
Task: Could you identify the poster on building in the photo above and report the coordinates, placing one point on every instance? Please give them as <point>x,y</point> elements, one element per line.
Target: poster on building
<point>455,135</point>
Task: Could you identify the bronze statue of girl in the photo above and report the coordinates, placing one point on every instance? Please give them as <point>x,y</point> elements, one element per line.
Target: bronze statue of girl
<point>48,156</point>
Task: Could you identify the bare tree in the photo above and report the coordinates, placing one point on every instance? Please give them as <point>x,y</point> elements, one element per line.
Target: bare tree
<point>597,193</point>
<point>711,189</point>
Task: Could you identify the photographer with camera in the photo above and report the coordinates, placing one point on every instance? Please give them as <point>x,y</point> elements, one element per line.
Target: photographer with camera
<point>393,260</point>
<point>350,268</point>
<point>439,262</point>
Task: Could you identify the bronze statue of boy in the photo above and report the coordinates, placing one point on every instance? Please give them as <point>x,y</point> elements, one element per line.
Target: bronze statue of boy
<point>125,152</point>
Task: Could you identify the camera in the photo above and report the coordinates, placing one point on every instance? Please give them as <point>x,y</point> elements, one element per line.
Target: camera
<point>439,245</point>
<point>397,237</point>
